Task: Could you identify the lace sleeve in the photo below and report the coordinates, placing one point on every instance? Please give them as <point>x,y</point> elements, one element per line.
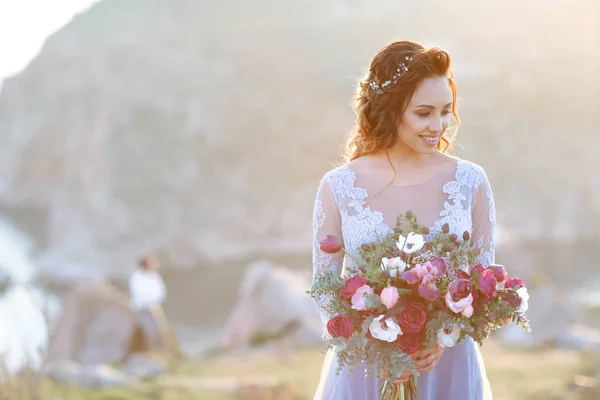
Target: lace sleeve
<point>326,221</point>
<point>484,219</point>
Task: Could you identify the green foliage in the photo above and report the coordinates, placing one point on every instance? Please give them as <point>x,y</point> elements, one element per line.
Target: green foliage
<point>372,301</point>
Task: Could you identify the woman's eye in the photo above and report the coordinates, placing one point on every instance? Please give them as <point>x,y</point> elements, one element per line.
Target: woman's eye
<point>445,112</point>
<point>423,114</point>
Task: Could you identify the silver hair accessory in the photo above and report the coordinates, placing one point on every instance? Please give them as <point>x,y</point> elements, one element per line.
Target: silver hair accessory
<point>402,68</point>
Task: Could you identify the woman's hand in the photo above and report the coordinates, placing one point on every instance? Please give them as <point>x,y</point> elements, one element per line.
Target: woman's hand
<point>426,359</point>
<point>402,379</point>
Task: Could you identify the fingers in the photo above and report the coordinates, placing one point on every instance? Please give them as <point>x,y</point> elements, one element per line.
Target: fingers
<point>420,354</point>
<point>427,362</point>
<point>424,362</point>
<point>404,377</point>
<point>428,365</point>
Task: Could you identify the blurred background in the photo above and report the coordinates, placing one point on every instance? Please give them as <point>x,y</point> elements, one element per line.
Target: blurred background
<point>197,131</point>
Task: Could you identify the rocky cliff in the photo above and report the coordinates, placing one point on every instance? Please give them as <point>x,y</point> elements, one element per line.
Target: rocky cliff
<point>200,129</point>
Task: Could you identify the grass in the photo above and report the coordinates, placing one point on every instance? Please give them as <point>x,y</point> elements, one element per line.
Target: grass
<point>514,375</point>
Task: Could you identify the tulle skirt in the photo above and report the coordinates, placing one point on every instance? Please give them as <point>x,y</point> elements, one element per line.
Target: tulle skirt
<point>459,375</point>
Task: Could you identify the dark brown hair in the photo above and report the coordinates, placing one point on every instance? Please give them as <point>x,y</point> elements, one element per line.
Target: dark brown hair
<point>378,115</point>
<point>148,262</point>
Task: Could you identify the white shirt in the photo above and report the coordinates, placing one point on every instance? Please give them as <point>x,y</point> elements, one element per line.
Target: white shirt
<point>146,289</point>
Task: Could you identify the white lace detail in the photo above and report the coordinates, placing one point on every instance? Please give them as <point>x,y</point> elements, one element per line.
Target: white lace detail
<point>321,259</point>
<point>341,210</point>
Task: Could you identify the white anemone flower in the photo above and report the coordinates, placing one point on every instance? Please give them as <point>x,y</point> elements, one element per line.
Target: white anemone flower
<point>387,330</point>
<point>395,266</point>
<point>448,335</point>
<point>524,295</point>
<point>413,242</point>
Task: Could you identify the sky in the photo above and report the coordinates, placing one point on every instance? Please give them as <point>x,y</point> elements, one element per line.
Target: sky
<point>25,24</point>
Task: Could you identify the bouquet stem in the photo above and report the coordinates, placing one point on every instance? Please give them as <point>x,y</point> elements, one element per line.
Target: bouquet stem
<point>399,391</point>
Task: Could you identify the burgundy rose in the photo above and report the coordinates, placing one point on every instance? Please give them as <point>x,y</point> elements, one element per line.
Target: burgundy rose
<point>440,264</point>
<point>460,288</point>
<point>499,272</point>
<point>487,283</point>
<point>351,285</point>
<point>410,342</point>
<point>412,319</point>
<point>331,244</point>
<point>511,297</point>
<point>478,299</point>
<point>340,325</point>
<point>512,282</point>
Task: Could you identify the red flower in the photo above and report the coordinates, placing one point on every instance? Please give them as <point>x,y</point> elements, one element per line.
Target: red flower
<point>499,272</point>
<point>340,325</point>
<point>351,285</point>
<point>478,300</point>
<point>412,319</point>
<point>511,297</point>
<point>410,342</point>
<point>487,283</point>
<point>460,288</point>
<point>478,269</point>
<point>331,244</point>
<point>512,282</point>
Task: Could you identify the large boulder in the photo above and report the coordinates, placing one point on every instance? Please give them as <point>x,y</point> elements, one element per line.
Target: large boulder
<point>95,327</point>
<point>272,304</point>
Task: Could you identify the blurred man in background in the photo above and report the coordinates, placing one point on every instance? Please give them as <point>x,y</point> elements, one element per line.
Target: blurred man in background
<point>147,291</point>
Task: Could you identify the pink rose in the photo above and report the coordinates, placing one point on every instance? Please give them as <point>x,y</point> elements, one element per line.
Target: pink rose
<point>459,297</point>
<point>331,244</point>
<point>358,299</point>
<point>499,272</point>
<point>487,283</point>
<point>351,285</point>
<point>340,325</point>
<point>512,282</point>
<point>389,296</point>
<point>464,306</point>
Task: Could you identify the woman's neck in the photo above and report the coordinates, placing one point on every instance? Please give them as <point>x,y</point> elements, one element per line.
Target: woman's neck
<point>402,158</point>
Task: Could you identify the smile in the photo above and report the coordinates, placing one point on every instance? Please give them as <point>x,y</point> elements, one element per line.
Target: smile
<point>430,139</point>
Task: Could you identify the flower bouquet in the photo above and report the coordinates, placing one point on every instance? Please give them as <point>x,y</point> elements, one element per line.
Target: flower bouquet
<point>404,294</point>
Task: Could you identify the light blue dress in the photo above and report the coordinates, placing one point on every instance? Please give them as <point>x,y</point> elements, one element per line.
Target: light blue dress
<point>344,208</point>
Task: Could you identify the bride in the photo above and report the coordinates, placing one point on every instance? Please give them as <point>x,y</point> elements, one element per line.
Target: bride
<point>397,161</point>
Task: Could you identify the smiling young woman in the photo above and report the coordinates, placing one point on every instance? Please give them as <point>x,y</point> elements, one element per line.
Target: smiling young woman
<point>396,161</point>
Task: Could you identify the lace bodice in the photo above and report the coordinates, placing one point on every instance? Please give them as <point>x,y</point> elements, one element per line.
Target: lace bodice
<point>465,202</point>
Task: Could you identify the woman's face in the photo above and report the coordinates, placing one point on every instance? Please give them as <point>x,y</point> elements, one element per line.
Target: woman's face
<point>427,115</point>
